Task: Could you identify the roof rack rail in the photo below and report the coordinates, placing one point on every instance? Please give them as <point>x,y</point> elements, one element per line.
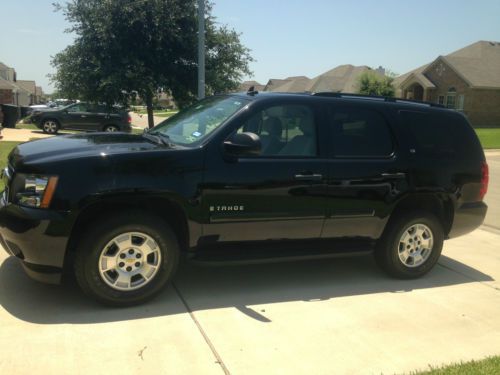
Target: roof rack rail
<point>376,97</point>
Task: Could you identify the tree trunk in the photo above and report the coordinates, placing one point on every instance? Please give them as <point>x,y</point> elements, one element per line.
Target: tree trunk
<point>149,107</point>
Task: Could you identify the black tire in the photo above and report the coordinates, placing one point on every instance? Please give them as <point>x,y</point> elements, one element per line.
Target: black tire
<point>94,242</point>
<point>388,246</point>
<point>54,126</point>
<point>111,128</point>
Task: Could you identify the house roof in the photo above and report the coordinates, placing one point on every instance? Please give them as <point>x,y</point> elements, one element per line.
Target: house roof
<point>343,78</point>
<point>478,64</point>
<point>273,83</point>
<point>29,86</point>
<point>244,86</point>
<point>293,84</point>
<point>7,85</point>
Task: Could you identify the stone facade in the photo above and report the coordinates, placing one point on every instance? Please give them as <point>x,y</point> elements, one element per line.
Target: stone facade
<point>6,97</point>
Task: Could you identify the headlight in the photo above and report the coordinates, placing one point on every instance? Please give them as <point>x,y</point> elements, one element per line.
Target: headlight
<point>37,192</point>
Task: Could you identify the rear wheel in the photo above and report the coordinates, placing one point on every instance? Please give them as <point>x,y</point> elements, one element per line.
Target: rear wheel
<point>50,126</point>
<point>111,128</point>
<point>411,245</point>
<point>126,259</point>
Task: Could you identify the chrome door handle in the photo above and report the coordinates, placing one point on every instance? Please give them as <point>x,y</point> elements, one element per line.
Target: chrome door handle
<point>309,177</point>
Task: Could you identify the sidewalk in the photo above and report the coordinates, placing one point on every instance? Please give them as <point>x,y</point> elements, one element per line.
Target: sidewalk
<point>22,135</point>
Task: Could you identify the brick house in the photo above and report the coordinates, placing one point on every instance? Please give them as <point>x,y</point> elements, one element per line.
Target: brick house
<point>20,92</point>
<point>467,80</point>
<point>30,87</point>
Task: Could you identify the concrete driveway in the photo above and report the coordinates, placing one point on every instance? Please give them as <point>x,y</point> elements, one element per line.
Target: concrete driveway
<point>493,196</point>
<point>340,316</point>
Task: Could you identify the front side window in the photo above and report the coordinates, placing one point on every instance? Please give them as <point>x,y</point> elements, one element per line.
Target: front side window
<point>284,130</point>
<point>80,107</point>
<point>196,122</point>
<point>359,133</point>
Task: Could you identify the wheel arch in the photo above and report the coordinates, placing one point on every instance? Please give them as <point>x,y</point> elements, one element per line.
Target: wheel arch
<point>103,128</point>
<point>438,204</point>
<point>164,208</point>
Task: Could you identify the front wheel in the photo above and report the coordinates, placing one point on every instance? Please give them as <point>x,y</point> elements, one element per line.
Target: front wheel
<point>126,259</point>
<point>411,245</point>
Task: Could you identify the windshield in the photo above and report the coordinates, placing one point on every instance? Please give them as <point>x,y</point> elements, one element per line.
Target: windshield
<point>196,122</point>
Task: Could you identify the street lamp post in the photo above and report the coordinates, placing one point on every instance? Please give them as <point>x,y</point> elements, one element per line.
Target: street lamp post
<point>201,49</point>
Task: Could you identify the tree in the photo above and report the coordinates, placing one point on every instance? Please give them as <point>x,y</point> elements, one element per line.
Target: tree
<point>141,47</point>
<point>371,83</point>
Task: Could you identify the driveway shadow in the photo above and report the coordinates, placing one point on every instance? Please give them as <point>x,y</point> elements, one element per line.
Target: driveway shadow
<point>204,288</point>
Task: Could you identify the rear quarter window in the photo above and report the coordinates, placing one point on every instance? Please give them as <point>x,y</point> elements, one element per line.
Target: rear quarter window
<point>440,135</point>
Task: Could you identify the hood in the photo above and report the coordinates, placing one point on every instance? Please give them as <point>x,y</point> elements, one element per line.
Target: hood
<point>79,146</point>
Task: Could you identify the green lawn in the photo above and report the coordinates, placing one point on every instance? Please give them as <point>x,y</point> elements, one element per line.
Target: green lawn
<point>5,148</point>
<point>488,366</point>
<point>489,137</point>
<point>20,125</point>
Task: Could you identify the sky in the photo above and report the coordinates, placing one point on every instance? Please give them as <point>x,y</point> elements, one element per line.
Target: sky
<point>286,37</point>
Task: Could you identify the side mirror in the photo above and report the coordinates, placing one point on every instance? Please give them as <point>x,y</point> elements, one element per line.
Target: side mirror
<point>243,144</point>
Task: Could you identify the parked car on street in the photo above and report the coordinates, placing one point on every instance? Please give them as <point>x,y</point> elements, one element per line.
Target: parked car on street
<point>82,116</point>
<point>245,178</point>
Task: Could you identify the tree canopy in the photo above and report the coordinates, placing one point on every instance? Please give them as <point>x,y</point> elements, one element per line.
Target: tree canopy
<point>124,48</point>
<point>371,83</point>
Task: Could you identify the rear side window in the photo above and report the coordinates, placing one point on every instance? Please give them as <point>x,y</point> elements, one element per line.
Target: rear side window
<point>359,133</point>
<point>440,134</point>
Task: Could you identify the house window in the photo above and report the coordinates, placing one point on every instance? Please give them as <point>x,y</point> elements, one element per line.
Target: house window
<point>460,102</point>
<point>451,97</point>
<point>441,99</point>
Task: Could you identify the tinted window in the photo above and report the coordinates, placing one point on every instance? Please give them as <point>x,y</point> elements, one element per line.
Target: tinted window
<point>80,107</point>
<point>359,133</point>
<point>285,130</point>
<point>440,134</point>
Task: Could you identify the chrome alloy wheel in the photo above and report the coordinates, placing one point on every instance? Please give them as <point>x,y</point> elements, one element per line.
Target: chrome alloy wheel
<point>111,129</point>
<point>50,126</point>
<point>415,245</point>
<point>129,261</point>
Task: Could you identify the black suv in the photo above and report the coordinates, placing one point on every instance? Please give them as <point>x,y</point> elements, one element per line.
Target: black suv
<point>82,116</point>
<point>240,178</point>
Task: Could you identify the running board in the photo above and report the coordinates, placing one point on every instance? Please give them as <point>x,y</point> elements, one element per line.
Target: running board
<point>236,255</point>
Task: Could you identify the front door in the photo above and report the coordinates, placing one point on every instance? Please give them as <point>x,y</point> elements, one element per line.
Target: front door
<point>277,195</point>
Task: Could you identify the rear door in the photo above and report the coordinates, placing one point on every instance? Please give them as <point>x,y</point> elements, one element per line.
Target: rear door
<point>278,195</point>
<point>367,170</point>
